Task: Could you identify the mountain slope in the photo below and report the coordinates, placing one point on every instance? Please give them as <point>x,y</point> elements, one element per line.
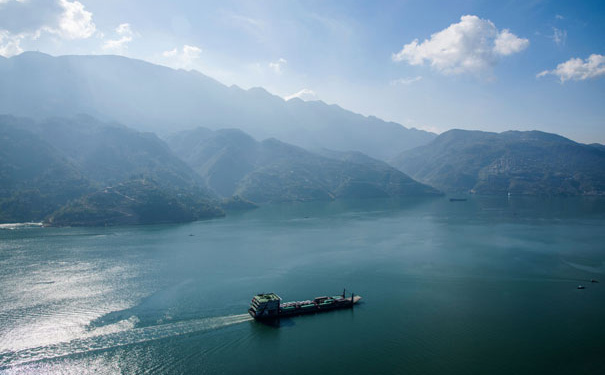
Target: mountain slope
<point>35,178</point>
<point>110,153</point>
<point>233,163</point>
<point>532,163</point>
<point>134,202</point>
<point>154,98</point>
<point>66,169</point>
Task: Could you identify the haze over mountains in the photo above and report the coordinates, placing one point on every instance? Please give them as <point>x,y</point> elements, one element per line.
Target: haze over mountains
<point>160,145</point>
<point>45,166</point>
<point>81,171</point>
<point>233,163</point>
<point>527,163</point>
<point>154,98</point>
<point>35,179</point>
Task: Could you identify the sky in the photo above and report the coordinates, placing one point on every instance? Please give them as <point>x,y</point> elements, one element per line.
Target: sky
<point>432,65</point>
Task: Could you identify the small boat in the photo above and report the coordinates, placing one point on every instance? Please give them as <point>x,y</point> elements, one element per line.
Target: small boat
<point>581,287</point>
<point>458,199</point>
<point>594,281</point>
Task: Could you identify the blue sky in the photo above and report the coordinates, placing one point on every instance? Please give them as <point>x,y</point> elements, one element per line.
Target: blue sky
<point>433,65</point>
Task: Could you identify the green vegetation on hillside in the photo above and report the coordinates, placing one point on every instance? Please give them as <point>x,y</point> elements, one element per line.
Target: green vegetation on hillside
<point>72,172</point>
<point>527,163</point>
<point>35,178</point>
<point>233,163</point>
<point>134,202</point>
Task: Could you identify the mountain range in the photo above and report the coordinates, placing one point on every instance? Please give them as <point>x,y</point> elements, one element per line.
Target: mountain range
<point>35,179</point>
<point>231,162</point>
<point>109,140</point>
<point>527,163</point>
<point>150,97</point>
<point>69,164</point>
<point>82,171</point>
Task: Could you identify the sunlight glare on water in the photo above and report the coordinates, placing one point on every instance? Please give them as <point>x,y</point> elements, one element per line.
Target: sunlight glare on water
<point>490,280</point>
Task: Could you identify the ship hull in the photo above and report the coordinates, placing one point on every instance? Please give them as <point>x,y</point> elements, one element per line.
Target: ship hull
<point>318,308</point>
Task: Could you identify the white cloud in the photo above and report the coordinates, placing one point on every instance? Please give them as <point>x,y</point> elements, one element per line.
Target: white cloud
<point>405,81</point>
<point>559,36</point>
<point>28,20</point>
<point>117,44</point>
<point>185,57</point>
<point>125,33</point>
<point>304,94</point>
<point>171,53</point>
<point>9,44</point>
<point>124,29</point>
<point>191,52</point>
<point>508,43</point>
<point>278,65</point>
<point>576,69</point>
<point>74,22</point>
<point>472,45</point>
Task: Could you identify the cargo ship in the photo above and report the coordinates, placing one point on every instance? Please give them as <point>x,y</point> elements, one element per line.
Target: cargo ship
<point>266,306</point>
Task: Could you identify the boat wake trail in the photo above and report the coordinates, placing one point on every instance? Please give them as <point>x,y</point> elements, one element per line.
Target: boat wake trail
<point>115,339</point>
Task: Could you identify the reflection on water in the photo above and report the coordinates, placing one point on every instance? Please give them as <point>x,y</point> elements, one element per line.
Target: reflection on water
<point>121,334</point>
<point>449,287</point>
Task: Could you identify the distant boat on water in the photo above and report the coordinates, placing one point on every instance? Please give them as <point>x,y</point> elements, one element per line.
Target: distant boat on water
<point>458,199</point>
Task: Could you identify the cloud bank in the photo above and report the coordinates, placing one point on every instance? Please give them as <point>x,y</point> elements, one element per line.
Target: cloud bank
<point>27,20</point>
<point>472,45</point>
<point>74,21</point>
<point>576,69</point>
<point>185,57</point>
<point>304,94</point>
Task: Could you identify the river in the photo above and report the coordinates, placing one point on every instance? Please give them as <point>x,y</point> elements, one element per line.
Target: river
<point>484,286</point>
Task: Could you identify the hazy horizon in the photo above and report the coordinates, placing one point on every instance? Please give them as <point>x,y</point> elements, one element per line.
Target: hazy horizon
<point>287,98</point>
<point>474,65</point>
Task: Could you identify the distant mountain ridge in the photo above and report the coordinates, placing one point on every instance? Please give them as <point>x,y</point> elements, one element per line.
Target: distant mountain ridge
<point>155,98</point>
<point>109,153</point>
<point>35,178</point>
<point>528,163</point>
<point>233,163</point>
<point>80,171</point>
<point>67,171</point>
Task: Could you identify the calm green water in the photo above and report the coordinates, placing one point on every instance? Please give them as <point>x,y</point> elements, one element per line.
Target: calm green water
<point>486,286</point>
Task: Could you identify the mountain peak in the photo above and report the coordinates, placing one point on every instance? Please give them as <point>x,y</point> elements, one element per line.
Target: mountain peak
<point>156,98</point>
<point>272,170</point>
<point>31,53</point>
<point>517,162</point>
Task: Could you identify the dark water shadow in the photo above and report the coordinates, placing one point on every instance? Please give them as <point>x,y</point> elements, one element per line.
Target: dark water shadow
<point>277,323</point>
